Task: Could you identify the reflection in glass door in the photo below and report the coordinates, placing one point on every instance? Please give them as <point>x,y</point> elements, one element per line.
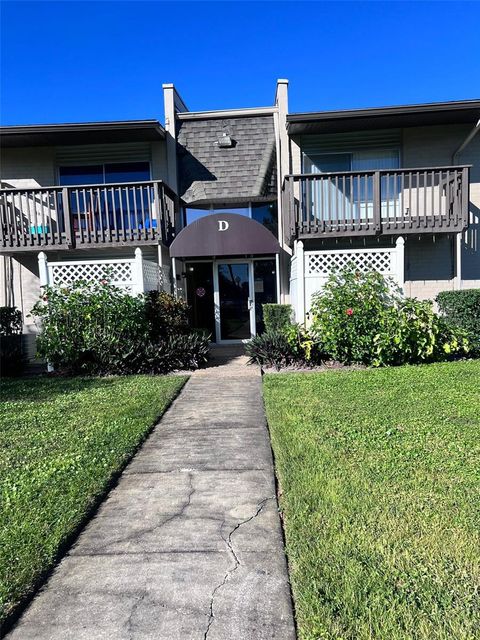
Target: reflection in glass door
<point>235,302</point>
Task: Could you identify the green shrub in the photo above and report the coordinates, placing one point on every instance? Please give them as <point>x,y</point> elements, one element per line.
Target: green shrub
<point>10,321</point>
<point>411,332</point>
<point>166,315</point>
<point>462,308</point>
<point>347,314</point>
<point>11,355</point>
<point>182,351</point>
<point>271,349</point>
<point>90,328</point>
<point>362,318</point>
<point>276,316</point>
<point>95,328</point>
<point>304,348</point>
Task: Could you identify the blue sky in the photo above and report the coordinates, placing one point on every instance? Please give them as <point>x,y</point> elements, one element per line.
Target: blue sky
<point>80,61</point>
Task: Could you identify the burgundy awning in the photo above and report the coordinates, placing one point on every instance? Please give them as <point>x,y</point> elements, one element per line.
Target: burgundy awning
<point>224,234</point>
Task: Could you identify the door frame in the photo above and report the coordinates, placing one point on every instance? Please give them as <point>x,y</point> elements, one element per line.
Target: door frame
<point>251,280</point>
<point>216,299</point>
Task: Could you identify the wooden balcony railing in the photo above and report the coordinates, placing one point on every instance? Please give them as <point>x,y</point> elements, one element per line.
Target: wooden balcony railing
<point>359,203</point>
<point>85,216</point>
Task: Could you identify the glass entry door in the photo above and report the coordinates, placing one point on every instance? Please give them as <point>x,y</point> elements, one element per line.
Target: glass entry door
<point>234,301</point>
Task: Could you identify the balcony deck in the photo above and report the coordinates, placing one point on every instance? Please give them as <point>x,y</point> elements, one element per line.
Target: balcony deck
<point>86,216</point>
<point>400,201</point>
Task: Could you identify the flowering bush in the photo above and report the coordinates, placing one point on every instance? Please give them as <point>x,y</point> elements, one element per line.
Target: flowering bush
<point>347,313</point>
<point>95,328</point>
<point>363,318</point>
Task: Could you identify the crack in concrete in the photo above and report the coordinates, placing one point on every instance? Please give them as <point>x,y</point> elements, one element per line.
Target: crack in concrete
<point>231,571</point>
<point>129,622</point>
<point>138,535</point>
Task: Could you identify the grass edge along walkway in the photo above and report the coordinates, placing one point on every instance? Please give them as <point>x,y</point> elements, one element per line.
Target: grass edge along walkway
<point>63,443</point>
<point>379,472</point>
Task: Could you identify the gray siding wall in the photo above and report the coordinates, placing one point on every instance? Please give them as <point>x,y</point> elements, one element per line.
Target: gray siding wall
<point>37,166</point>
<point>28,167</point>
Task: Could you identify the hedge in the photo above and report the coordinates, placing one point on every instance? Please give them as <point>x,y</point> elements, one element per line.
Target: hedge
<point>462,308</point>
<point>276,316</point>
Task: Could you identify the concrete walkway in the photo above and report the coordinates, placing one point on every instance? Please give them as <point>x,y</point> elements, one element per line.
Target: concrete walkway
<point>188,545</point>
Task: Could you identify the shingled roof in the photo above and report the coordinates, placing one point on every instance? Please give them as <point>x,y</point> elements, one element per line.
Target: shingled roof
<point>209,173</point>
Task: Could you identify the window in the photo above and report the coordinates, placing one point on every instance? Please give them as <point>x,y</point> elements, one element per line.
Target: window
<point>129,207</point>
<point>348,197</point>
<point>266,214</point>
<point>195,214</point>
<point>114,172</point>
<point>363,160</point>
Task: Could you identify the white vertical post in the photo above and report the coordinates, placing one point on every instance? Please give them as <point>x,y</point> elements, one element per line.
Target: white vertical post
<point>457,282</point>
<point>400,266</point>
<point>174,278</point>
<point>300,310</point>
<point>138,285</point>
<point>43,275</point>
<point>43,268</point>
<point>277,275</point>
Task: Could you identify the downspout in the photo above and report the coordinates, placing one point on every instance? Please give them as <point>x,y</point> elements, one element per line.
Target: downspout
<point>457,284</point>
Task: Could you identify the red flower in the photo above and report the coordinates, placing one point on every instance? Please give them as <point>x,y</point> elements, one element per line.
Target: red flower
<point>103,281</point>
<point>349,312</point>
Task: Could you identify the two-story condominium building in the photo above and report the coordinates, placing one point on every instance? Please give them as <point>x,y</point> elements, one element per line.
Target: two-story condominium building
<point>231,209</point>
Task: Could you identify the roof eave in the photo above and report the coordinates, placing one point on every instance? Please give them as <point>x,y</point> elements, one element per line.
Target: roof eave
<point>81,133</point>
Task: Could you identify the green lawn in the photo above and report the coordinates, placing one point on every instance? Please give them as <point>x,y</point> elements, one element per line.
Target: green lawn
<point>380,478</point>
<point>61,441</point>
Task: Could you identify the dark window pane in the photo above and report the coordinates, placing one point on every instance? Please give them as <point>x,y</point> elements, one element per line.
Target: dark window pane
<point>266,214</point>
<point>88,174</point>
<point>127,172</point>
<point>326,163</point>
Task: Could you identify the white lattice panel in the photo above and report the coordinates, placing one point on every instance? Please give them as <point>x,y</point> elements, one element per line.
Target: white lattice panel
<point>152,275</point>
<point>117,272</point>
<point>323,262</point>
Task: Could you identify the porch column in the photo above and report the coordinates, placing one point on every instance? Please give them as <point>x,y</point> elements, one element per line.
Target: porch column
<point>300,303</point>
<point>400,266</point>
<point>137,273</point>
<point>43,268</point>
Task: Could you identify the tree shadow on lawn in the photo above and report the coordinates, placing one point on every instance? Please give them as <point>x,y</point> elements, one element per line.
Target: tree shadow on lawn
<point>47,387</point>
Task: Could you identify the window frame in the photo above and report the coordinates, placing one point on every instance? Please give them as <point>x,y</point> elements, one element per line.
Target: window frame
<point>102,164</point>
<point>350,153</point>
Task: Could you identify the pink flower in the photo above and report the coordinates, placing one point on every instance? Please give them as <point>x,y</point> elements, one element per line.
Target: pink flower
<point>349,312</point>
<point>103,282</point>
